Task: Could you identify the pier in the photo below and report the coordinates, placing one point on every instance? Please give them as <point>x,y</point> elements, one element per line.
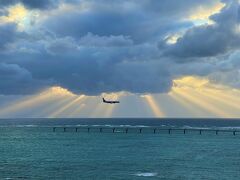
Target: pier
<point>146,130</point>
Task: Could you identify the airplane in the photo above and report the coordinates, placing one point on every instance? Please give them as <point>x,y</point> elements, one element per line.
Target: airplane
<point>110,102</point>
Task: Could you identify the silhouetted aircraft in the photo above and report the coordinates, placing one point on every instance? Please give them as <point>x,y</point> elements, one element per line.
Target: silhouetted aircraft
<point>110,102</point>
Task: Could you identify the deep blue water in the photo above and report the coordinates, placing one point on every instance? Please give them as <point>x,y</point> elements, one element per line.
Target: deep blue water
<point>38,153</point>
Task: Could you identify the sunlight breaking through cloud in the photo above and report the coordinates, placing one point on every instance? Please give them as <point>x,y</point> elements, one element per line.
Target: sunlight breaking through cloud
<point>201,14</point>
<point>20,15</point>
<point>154,106</point>
<point>67,106</point>
<point>190,97</point>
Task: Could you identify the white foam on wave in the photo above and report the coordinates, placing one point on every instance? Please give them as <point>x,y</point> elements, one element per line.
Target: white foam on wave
<point>22,126</point>
<point>125,125</point>
<point>134,126</point>
<point>229,128</point>
<point>146,174</point>
<point>81,125</point>
<point>118,126</point>
<point>196,127</point>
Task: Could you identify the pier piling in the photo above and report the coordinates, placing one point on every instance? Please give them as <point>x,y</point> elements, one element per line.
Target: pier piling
<point>141,130</point>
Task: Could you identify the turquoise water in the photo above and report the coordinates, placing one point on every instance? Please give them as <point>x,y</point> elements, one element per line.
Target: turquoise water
<point>39,153</point>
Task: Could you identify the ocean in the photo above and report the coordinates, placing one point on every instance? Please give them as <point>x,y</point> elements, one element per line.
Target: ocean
<point>29,149</point>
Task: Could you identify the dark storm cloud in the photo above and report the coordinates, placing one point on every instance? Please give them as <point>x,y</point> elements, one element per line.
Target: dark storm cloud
<point>112,46</point>
<point>17,80</point>
<point>112,41</point>
<point>138,21</point>
<point>210,40</point>
<point>7,2</point>
<point>148,77</point>
<point>176,7</point>
<point>42,4</point>
<point>96,67</point>
<point>8,34</point>
<point>33,4</point>
<point>229,74</point>
<point>102,23</point>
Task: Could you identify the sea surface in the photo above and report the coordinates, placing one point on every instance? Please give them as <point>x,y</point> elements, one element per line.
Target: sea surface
<point>29,149</point>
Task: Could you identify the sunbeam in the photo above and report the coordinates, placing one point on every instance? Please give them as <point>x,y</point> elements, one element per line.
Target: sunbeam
<point>98,108</point>
<point>219,98</point>
<point>188,98</point>
<point>215,106</point>
<point>185,103</point>
<point>197,100</point>
<point>77,111</point>
<point>227,97</point>
<point>67,106</point>
<point>51,106</point>
<point>154,106</point>
<point>25,103</point>
<point>105,110</point>
<point>42,99</point>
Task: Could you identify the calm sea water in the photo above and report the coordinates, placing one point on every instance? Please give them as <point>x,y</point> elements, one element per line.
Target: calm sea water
<point>35,152</point>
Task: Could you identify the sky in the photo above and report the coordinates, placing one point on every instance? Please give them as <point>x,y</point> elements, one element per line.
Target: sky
<point>168,58</point>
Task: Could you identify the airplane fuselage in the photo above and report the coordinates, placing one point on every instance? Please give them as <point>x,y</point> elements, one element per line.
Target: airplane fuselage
<point>110,102</point>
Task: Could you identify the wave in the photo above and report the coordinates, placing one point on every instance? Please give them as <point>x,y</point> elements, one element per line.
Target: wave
<point>20,126</point>
<point>146,174</point>
<point>123,126</point>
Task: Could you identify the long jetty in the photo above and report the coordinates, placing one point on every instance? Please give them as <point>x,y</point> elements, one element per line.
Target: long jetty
<point>140,130</point>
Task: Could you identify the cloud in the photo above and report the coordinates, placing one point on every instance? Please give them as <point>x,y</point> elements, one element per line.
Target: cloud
<point>8,34</point>
<point>17,80</point>
<point>103,64</point>
<point>58,46</point>
<point>112,41</point>
<point>139,21</point>
<point>100,23</point>
<point>177,7</point>
<point>229,78</point>
<point>3,12</point>
<point>227,72</point>
<point>210,40</point>
<point>142,77</point>
<point>32,4</point>
<point>108,46</point>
